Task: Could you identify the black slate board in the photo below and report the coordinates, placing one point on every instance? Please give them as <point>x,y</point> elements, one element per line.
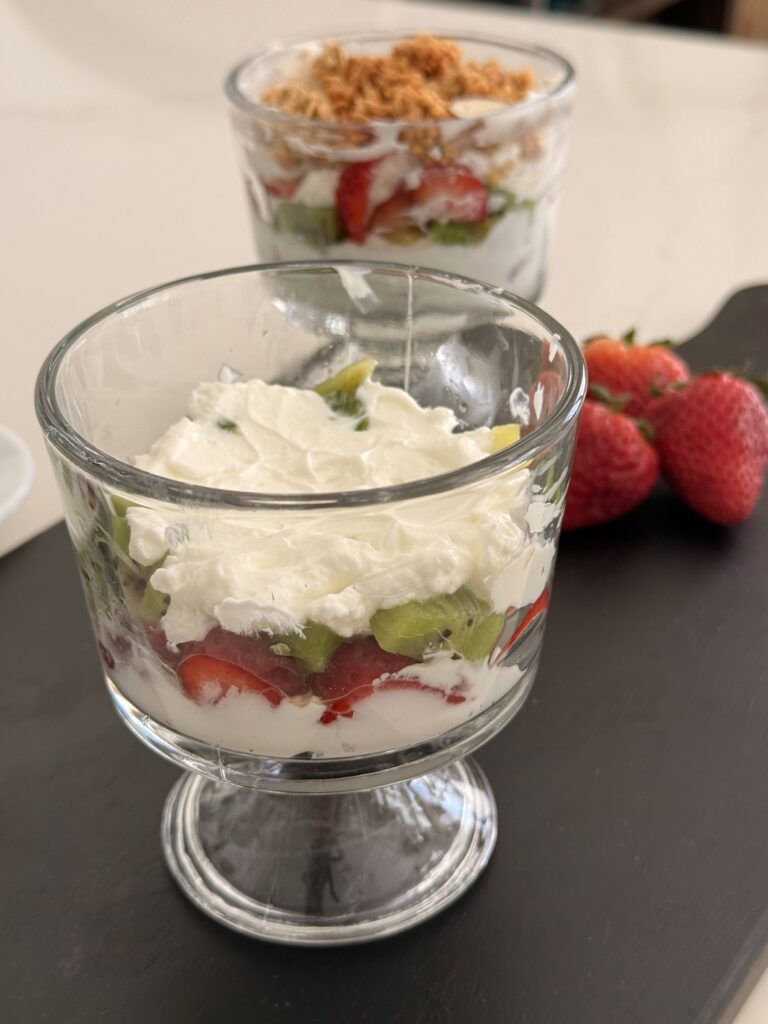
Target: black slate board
<point>630,881</point>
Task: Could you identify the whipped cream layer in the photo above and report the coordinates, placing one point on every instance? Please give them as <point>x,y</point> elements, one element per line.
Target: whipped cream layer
<point>253,436</point>
<point>256,571</point>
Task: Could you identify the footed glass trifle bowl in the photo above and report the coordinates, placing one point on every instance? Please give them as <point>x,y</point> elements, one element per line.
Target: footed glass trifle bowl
<point>320,661</point>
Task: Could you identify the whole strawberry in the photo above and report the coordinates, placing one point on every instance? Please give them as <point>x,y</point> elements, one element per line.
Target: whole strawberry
<point>712,438</point>
<point>623,368</point>
<point>614,467</point>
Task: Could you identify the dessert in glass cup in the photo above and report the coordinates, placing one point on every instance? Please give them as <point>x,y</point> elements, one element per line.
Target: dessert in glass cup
<point>444,152</point>
<point>315,509</point>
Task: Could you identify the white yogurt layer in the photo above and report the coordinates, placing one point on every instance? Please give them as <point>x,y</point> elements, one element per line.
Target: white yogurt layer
<point>246,722</point>
<point>318,187</point>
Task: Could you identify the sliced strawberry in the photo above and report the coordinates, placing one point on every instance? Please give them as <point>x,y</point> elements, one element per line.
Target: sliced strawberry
<point>282,188</point>
<point>355,664</point>
<point>392,214</point>
<point>352,673</point>
<point>451,194</point>
<point>209,679</point>
<point>254,655</point>
<point>413,684</point>
<point>352,198</point>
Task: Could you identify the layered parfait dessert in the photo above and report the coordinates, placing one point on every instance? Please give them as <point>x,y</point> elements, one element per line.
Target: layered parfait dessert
<point>321,633</point>
<point>422,150</point>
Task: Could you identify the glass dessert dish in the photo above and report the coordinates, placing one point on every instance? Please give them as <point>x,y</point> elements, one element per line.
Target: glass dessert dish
<point>471,189</point>
<point>320,662</point>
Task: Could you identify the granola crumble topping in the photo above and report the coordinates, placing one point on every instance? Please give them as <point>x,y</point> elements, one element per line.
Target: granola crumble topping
<point>417,81</point>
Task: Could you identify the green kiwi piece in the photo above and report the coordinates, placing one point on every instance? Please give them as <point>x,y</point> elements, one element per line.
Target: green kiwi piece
<point>460,622</point>
<point>482,639</point>
<point>314,647</point>
<point>318,225</point>
<point>458,233</point>
<point>153,603</point>
<point>121,505</point>
<point>121,532</point>
<point>340,391</point>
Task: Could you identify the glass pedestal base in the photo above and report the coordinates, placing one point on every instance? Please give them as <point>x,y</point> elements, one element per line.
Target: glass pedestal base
<point>324,869</point>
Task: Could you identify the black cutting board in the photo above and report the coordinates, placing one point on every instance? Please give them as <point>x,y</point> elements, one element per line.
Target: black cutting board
<point>630,880</point>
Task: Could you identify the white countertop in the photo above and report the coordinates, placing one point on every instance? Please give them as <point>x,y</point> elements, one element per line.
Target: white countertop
<point>118,171</point>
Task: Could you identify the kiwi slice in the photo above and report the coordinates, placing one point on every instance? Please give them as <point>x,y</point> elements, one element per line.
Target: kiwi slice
<point>460,622</point>
<point>121,532</point>
<point>314,647</point>
<point>121,505</point>
<point>504,435</point>
<point>340,391</point>
<point>153,603</point>
<point>318,225</point>
<point>405,234</point>
<point>134,577</point>
<point>462,233</point>
<point>458,233</point>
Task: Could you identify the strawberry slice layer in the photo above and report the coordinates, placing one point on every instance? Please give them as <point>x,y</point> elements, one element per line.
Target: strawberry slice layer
<point>207,680</point>
<point>393,213</point>
<point>252,654</point>
<point>451,194</point>
<point>352,198</point>
<point>352,674</point>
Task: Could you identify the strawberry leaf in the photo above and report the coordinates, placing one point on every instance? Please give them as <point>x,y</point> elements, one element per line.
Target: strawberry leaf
<point>657,390</point>
<point>630,336</point>
<point>647,429</point>
<point>614,402</point>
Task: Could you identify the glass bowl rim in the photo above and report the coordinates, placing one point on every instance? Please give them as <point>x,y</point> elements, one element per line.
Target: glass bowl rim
<point>124,477</point>
<point>239,99</point>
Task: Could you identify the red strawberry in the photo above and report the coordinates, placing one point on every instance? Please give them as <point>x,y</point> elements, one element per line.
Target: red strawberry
<point>352,671</point>
<point>282,188</point>
<point>393,213</point>
<point>355,664</point>
<point>209,679</point>
<point>352,198</point>
<point>623,368</point>
<point>254,656</point>
<point>614,468</point>
<point>451,193</point>
<point>712,436</point>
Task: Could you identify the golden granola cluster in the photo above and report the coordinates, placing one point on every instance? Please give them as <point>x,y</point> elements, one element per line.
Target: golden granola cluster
<point>417,81</point>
